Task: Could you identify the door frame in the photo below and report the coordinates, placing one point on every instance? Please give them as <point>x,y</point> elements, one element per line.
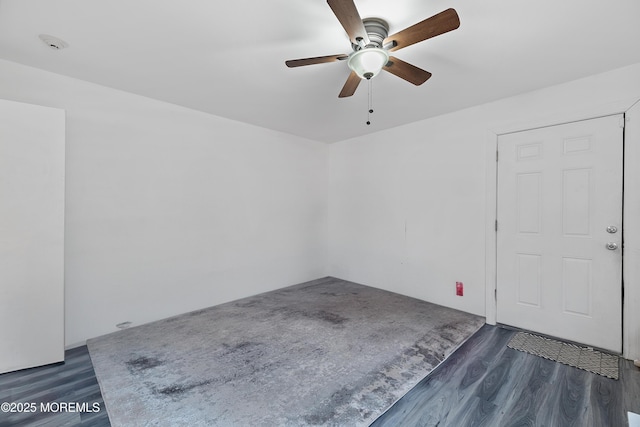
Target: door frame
<point>631,204</point>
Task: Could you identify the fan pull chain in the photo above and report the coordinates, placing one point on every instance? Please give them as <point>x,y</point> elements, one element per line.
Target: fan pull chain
<point>370,102</point>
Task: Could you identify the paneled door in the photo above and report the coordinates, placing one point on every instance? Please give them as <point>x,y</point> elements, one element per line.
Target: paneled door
<point>559,238</point>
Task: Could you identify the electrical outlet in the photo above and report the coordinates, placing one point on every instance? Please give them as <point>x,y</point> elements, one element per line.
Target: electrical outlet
<point>459,289</point>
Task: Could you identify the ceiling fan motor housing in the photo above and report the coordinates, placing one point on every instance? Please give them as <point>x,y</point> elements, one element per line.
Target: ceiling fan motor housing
<point>377,30</point>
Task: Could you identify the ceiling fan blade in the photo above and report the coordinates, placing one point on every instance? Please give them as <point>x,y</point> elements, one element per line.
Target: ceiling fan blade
<point>347,14</point>
<point>441,23</point>
<point>350,86</point>
<point>406,71</point>
<point>317,60</point>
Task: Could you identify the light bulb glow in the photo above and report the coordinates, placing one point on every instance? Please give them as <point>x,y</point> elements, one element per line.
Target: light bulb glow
<point>368,62</point>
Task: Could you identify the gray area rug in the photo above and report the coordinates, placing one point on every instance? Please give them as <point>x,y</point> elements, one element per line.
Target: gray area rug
<point>326,352</point>
<point>584,358</point>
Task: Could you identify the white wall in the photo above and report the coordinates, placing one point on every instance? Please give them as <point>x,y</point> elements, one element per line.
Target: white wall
<point>170,210</point>
<point>31,235</point>
<point>406,210</point>
<point>631,218</point>
<point>411,209</point>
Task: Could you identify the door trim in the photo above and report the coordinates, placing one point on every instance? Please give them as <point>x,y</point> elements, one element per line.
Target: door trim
<point>631,199</point>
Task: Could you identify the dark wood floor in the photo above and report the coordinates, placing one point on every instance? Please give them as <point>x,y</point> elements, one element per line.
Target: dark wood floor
<point>484,383</point>
<point>71,382</point>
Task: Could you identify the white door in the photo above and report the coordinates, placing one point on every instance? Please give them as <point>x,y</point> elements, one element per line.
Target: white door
<point>559,235</point>
<point>32,163</point>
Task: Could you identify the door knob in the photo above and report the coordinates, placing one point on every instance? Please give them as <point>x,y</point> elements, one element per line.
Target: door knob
<point>612,246</point>
<point>612,229</point>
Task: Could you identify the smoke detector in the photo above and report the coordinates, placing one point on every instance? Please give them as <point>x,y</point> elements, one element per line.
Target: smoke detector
<point>53,42</point>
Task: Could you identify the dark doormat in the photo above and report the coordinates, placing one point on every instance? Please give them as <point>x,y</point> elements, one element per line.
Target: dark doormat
<point>584,358</point>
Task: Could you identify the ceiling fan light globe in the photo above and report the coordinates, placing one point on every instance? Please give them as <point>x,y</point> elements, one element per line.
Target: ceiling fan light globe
<point>368,62</point>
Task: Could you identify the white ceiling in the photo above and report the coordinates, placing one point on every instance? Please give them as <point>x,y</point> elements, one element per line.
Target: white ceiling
<point>227,57</point>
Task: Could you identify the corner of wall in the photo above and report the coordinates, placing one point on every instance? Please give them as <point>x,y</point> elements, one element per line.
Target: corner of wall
<point>631,251</point>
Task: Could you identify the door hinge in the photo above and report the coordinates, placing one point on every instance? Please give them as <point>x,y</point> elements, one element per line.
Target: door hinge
<point>622,122</point>
<point>496,225</point>
<point>496,155</point>
<point>495,294</point>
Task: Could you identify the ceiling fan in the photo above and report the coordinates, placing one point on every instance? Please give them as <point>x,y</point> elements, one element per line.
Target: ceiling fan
<point>371,45</point>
